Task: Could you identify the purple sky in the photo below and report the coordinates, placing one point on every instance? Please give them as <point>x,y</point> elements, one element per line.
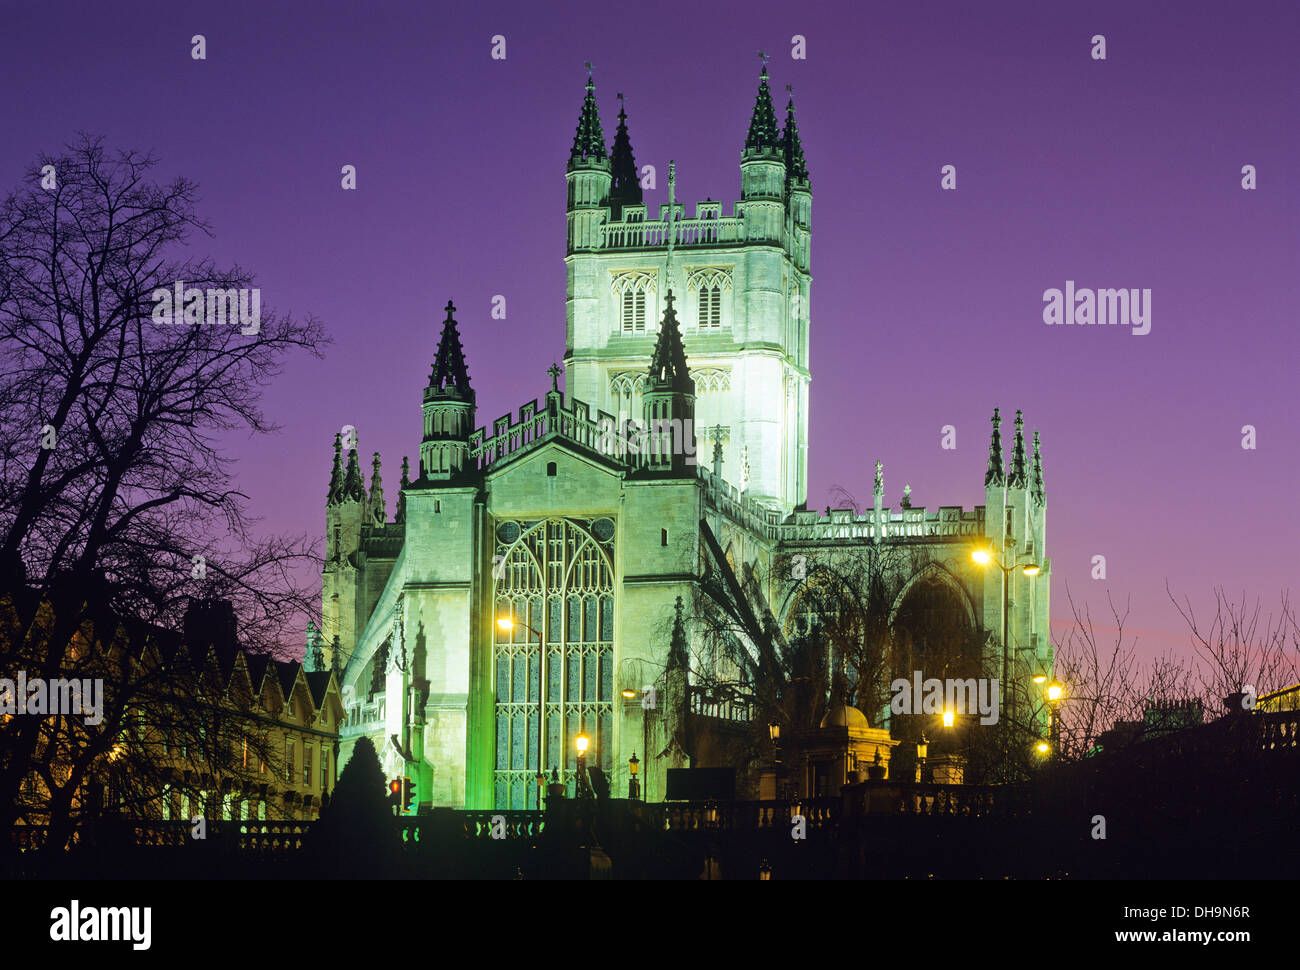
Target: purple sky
<point>926,304</point>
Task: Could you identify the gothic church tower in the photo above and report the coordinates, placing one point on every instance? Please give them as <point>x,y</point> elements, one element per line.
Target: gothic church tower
<point>741,284</point>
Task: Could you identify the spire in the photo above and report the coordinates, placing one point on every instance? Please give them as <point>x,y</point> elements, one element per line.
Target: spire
<point>762,124</point>
<point>353,488</point>
<point>677,655</point>
<point>401,495</point>
<point>336,474</point>
<point>795,164</point>
<point>449,372</point>
<point>1017,478</point>
<point>878,486</point>
<point>626,187</point>
<point>589,140</point>
<point>668,371</point>
<point>995,474</point>
<point>1037,492</point>
<point>314,658</point>
<point>378,510</point>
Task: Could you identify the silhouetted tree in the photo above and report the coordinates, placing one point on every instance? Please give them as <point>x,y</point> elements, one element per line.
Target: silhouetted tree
<point>115,501</point>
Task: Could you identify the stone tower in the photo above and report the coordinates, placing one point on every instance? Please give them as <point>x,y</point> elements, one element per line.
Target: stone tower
<point>741,287</point>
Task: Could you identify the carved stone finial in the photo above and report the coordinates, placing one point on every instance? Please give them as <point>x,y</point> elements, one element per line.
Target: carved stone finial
<point>554,371</point>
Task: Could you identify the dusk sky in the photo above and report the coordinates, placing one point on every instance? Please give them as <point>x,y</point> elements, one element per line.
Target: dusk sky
<point>927,304</point>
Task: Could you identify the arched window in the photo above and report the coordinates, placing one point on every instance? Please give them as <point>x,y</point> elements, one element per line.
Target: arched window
<point>708,285</point>
<point>631,293</point>
<point>933,627</point>
<point>553,664</point>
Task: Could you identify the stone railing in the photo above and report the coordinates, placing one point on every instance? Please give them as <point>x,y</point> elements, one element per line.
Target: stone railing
<point>720,701</point>
<point>1279,731</point>
<point>484,825</point>
<point>948,521</point>
<point>510,436</point>
<point>686,233</point>
<point>910,798</point>
<point>817,813</point>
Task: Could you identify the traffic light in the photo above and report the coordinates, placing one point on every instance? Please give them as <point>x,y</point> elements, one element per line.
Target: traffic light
<point>409,796</point>
<point>395,796</point>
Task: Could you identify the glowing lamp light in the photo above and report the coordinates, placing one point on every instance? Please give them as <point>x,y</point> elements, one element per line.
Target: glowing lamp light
<point>981,556</point>
<point>629,693</point>
<point>774,732</point>
<point>633,764</point>
<point>948,717</point>
<point>1055,691</point>
<point>1040,678</point>
<point>582,741</point>
<point>1032,569</point>
<point>1042,747</point>
<point>505,624</point>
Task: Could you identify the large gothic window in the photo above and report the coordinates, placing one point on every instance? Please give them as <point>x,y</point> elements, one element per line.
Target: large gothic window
<point>553,669</point>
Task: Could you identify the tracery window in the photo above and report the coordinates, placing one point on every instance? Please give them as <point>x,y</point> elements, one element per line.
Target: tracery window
<point>553,670</point>
<point>631,293</point>
<point>708,284</point>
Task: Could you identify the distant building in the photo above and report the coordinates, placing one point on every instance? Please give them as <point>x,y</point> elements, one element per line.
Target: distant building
<point>1286,699</point>
<point>211,730</point>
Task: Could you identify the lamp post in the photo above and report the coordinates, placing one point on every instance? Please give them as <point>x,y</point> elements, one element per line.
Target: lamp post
<point>1055,692</point>
<point>987,557</point>
<point>633,766</point>
<point>647,703</point>
<point>922,749</point>
<point>581,786</point>
<point>774,733</point>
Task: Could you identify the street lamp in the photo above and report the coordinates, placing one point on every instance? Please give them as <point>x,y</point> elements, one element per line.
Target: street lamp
<point>987,557</point>
<point>582,787</point>
<point>1055,692</point>
<point>633,767</point>
<point>922,749</point>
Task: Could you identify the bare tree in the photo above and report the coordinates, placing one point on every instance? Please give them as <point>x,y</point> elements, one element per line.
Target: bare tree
<point>1241,649</point>
<point>1101,679</point>
<point>115,500</point>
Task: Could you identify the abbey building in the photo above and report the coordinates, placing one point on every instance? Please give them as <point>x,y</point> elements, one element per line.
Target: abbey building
<point>536,577</point>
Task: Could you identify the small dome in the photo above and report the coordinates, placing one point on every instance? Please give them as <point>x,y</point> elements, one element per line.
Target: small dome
<point>844,716</point>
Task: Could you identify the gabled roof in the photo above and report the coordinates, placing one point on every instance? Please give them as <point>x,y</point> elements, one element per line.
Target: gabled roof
<point>318,682</point>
